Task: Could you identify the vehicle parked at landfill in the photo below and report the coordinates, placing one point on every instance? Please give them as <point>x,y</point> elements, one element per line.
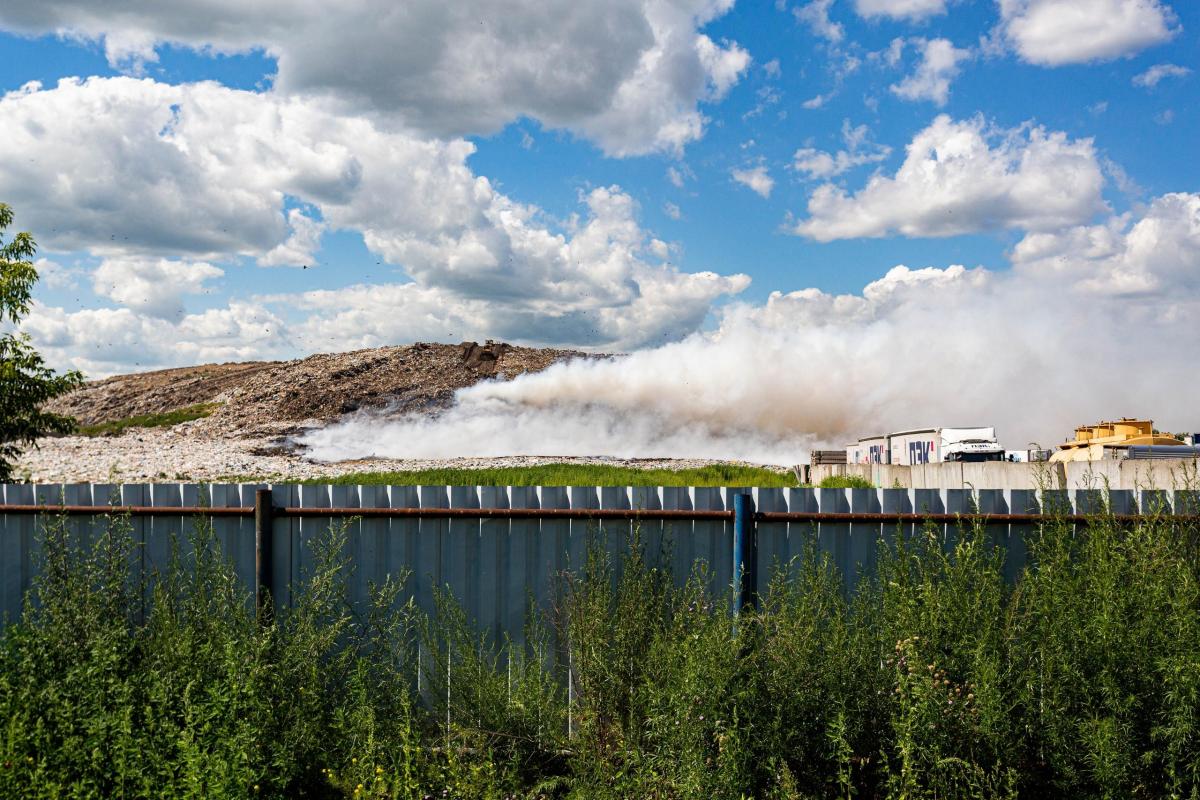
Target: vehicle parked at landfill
<point>1115,439</point>
<point>927,446</point>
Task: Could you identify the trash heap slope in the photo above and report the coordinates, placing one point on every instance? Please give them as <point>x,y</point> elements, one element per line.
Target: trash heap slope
<point>279,397</point>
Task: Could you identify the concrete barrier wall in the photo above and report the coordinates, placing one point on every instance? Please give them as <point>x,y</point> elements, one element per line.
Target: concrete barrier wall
<point>1131,474</point>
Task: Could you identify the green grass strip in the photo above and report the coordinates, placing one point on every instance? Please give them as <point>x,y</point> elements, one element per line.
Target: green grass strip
<point>166,419</point>
<point>572,475</point>
<point>846,482</point>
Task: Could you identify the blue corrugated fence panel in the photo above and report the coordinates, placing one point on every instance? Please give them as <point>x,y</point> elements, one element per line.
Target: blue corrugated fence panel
<point>774,547</point>
<point>712,541</point>
<point>497,599</point>
<point>678,535</point>
<point>493,566</point>
<point>428,546</point>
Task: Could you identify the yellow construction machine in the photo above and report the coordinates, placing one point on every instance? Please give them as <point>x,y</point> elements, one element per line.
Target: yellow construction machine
<point>1111,440</point>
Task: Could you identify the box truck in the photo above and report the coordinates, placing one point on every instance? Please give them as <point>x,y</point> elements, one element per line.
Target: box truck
<point>934,445</point>
<point>868,450</point>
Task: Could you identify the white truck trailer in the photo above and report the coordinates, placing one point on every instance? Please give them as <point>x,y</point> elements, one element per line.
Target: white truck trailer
<point>869,450</point>
<point>934,445</point>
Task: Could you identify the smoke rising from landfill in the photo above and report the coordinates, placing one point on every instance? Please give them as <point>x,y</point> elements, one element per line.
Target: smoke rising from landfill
<point>1030,353</point>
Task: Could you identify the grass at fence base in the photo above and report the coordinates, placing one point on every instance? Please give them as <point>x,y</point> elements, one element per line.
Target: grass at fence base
<point>845,482</point>
<point>167,419</point>
<point>573,475</point>
<point>936,680</point>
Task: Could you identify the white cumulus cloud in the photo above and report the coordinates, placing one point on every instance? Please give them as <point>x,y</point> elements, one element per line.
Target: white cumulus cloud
<point>939,65</point>
<point>815,14</point>
<point>960,177</point>
<point>1056,32</point>
<point>153,286</point>
<point>858,151</point>
<point>126,169</point>
<point>900,9</point>
<point>104,341</point>
<point>757,179</point>
<point>1155,253</point>
<point>302,243</point>
<point>629,74</point>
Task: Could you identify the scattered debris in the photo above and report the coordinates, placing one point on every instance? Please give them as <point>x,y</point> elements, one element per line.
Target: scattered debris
<point>260,406</point>
<point>280,398</point>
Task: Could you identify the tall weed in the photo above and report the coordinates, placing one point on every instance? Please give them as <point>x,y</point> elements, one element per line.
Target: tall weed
<point>936,678</point>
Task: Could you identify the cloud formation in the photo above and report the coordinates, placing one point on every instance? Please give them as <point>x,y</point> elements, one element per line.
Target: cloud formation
<point>209,172</point>
<point>963,177</point>
<point>1156,254</point>
<point>627,74</point>
<point>757,179</point>
<point>153,287</point>
<point>1056,32</point>
<point>1150,78</point>
<point>815,14</point>
<point>939,65</point>
<point>900,9</point>
<point>813,163</point>
<point>301,245</point>
<point>104,341</point>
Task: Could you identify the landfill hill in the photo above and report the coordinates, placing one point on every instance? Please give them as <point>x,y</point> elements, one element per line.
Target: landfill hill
<point>280,397</point>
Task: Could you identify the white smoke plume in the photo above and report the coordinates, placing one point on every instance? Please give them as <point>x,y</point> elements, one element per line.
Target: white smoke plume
<point>1035,351</point>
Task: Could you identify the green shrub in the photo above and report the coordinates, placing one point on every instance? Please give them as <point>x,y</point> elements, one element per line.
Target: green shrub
<point>845,482</point>
<point>163,420</point>
<point>935,679</point>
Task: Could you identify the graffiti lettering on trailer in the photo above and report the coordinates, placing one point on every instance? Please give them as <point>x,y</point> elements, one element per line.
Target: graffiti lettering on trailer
<point>918,452</point>
<point>876,454</point>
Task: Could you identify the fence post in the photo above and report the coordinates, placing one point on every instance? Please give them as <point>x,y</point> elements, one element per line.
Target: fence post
<point>745,554</point>
<point>263,518</point>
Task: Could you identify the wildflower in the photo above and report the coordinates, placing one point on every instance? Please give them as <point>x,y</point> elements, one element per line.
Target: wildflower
<point>354,761</point>
<point>256,787</point>
<point>379,770</point>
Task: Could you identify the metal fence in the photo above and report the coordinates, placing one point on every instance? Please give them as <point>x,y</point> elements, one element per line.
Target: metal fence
<point>496,549</point>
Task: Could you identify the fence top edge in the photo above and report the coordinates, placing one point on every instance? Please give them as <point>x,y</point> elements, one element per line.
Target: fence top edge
<point>1085,490</point>
<point>1072,515</point>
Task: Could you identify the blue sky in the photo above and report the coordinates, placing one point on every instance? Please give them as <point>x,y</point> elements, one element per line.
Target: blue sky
<point>609,192</point>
